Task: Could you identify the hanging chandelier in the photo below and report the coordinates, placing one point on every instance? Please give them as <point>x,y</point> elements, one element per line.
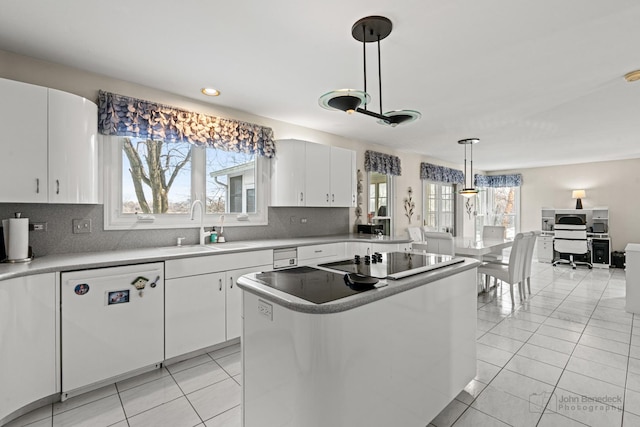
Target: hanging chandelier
<point>468,191</point>
<point>367,30</point>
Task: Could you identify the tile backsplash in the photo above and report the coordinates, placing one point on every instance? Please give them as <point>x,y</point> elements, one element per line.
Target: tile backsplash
<point>59,238</point>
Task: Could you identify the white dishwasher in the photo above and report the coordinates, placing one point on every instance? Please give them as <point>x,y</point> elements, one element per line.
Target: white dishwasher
<point>112,322</point>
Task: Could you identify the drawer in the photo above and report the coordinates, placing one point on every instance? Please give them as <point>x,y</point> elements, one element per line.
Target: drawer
<point>215,263</point>
<point>330,250</point>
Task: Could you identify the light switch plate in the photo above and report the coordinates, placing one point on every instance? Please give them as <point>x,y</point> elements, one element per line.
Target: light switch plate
<point>81,226</point>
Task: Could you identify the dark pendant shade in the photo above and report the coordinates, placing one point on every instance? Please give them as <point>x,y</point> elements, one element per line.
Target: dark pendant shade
<point>368,30</point>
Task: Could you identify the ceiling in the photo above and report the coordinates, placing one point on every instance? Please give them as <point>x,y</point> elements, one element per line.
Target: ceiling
<point>539,82</point>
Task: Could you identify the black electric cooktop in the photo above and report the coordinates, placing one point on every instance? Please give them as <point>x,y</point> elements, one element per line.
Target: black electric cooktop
<point>393,265</point>
<point>311,284</point>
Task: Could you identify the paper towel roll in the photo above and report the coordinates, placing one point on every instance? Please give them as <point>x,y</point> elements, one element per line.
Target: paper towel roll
<point>16,238</point>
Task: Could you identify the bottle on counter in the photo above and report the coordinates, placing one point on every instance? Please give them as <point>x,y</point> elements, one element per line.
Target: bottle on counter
<point>213,237</point>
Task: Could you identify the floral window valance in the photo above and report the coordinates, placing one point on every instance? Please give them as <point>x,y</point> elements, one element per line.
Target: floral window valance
<point>382,163</point>
<point>438,173</point>
<point>125,116</point>
<point>514,180</point>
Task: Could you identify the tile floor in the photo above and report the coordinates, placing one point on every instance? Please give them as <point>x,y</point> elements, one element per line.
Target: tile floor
<point>569,355</point>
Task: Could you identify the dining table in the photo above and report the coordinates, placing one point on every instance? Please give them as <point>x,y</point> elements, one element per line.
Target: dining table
<point>472,248</point>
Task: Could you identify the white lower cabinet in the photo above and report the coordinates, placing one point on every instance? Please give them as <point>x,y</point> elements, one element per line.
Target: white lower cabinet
<point>233,297</point>
<point>545,248</point>
<point>28,361</point>
<point>194,313</point>
<point>202,300</point>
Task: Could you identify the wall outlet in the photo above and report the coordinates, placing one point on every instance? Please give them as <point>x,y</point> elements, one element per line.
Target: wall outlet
<point>303,220</point>
<point>38,226</point>
<point>81,226</point>
<point>265,309</point>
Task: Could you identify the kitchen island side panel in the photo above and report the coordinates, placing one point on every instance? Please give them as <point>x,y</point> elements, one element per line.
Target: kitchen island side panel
<point>396,361</point>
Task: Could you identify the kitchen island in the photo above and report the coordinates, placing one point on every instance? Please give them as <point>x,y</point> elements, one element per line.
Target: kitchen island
<point>391,355</point>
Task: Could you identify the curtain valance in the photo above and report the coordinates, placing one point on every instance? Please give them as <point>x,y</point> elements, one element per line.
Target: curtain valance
<point>514,180</point>
<point>382,163</point>
<point>438,173</point>
<point>124,116</point>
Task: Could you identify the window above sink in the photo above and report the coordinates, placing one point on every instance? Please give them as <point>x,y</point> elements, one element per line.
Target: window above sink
<point>151,184</point>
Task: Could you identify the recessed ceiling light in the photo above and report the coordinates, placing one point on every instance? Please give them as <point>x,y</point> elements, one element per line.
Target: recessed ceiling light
<point>209,91</point>
<point>632,76</point>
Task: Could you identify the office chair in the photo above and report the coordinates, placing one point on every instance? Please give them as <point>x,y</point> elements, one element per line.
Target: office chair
<point>570,238</point>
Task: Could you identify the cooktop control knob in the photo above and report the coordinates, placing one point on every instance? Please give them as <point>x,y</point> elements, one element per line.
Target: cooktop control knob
<point>356,259</point>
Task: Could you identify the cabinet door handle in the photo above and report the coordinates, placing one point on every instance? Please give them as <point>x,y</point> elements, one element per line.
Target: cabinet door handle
<point>301,196</point>
<point>230,282</point>
<point>333,197</point>
<point>354,198</point>
<point>37,185</point>
<point>327,197</point>
<point>57,186</point>
<point>319,251</point>
<point>220,280</point>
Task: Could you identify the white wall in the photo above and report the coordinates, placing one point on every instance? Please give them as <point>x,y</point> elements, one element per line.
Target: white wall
<point>606,184</point>
<point>86,84</point>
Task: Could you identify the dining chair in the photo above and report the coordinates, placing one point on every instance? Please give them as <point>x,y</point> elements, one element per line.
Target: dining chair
<point>511,273</point>
<point>529,259</point>
<point>415,234</point>
<point>439,242</point>
<point>493,232</point>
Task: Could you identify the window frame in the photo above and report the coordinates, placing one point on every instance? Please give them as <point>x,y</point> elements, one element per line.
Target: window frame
<point>487,202</point>
<point>390,198</point>
<point>114,219</point>
<point>439,204</point>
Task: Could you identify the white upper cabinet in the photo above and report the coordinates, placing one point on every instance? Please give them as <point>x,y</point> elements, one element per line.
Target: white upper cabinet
<point>73,151</point>
<point>343,177</point>
<point>314,175</point>
<point>23,138</point>
<point>317,180</point>
<point>49,147</point>
<point>287,174</point>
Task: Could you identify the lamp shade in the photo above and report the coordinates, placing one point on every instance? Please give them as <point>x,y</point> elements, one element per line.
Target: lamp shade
<point>578,194</point>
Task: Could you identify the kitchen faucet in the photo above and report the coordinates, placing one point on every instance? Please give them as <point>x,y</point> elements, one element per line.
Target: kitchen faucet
<point>203,234</point>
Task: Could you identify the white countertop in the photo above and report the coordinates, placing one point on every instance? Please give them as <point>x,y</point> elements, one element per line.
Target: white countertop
<point>79,261</point>
<point>632,247</point>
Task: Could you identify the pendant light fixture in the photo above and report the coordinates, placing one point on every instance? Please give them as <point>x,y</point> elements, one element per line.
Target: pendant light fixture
<point>367,30</point>
<point>468,191</point>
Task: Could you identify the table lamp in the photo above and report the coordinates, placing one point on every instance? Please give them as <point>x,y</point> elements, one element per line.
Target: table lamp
<point>579,195</point>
